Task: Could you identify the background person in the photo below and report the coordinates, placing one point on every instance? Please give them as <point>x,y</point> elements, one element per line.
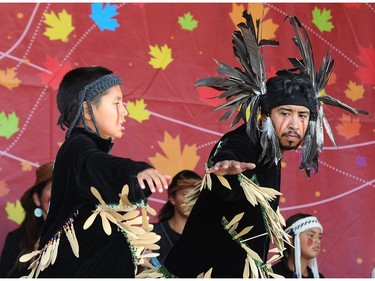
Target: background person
<point>301,261</point>
<point>172,216</point>
<point>24,239</point>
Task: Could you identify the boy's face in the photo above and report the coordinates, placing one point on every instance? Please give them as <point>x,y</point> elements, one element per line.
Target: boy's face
<point>290,123</point>
<point>110,114</point>
<point>310,242</point>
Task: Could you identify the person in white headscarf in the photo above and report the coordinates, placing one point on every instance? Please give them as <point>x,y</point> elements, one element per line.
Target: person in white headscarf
<point>301,262</point>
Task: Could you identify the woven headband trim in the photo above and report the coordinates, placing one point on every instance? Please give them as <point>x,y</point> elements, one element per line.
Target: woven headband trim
<point>92,90</point>
<point>304,224</point>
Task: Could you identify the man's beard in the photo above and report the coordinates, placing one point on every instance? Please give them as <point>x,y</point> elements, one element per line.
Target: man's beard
<point>284,148</point>
<point>291,132</point>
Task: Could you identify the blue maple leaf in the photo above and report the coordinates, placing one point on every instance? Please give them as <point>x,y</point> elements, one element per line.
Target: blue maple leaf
<point>102,16</point>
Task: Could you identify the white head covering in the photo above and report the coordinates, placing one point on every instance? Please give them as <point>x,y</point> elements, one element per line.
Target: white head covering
<point>298,227</point>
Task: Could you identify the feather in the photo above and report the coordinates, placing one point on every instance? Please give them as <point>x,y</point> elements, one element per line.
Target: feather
<point>335,102</point>
<point>329,130</point>
<point>242,86</point>
<point>269,142</point>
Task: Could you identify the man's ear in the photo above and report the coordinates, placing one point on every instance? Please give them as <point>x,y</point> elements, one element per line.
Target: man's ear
<point>86,111</point>
<point>263,117</point>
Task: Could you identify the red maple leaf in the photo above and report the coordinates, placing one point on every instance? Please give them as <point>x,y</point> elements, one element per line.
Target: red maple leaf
<point>352,5</point>
<point>349,127</point>
<point>366,73</point>
<point>54,77</point>
<point>208,95</point>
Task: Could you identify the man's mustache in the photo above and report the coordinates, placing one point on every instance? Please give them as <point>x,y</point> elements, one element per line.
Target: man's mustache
<point>291,132</point>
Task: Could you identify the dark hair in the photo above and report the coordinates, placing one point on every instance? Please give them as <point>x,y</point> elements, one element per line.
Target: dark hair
<point>292,219</point>
<point>289,88</point>
<point>71,85</point>
<point>30,228</point>
<point>184,178</point>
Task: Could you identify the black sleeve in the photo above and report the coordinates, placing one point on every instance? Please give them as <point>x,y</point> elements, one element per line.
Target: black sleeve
<point>233,146</point>
<point>108,173</point>
<point>9,254</point>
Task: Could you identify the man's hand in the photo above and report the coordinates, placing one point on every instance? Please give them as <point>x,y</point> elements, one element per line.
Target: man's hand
<point>154,179</point>
<point>230,167</point>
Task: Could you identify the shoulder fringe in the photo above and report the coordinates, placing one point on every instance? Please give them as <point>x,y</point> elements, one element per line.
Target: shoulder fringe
<point>134,224</point>
<point>255,194</point>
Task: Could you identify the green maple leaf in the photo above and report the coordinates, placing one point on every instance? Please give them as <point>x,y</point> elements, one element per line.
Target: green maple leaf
<point>15,212</point>
<point>188,22</point>
<point>322,19</point>
<point>8,125</point>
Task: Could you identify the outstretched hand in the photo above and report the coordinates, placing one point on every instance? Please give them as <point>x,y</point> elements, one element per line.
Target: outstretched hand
<point>229,167</point>
<point>154,179</point>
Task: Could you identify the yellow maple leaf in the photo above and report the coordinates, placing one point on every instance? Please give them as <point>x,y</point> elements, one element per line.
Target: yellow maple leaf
<point>354,91</point>
<point>26,166</point>
<point>175,160</point>
<point>60,26</point>
<point>161,57</point>
<point>137,110</point>
<point>15,211</point>
<point>8,78</point>
<point>349,126</point>
<point>4,190</point>
<point>258,11</point>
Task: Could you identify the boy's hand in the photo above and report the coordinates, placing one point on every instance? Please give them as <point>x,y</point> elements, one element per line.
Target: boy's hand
<point>154,180</point>
<point>229,167</point>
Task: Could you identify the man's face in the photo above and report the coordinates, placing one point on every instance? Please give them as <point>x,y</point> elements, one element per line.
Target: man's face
<point>290,123</point>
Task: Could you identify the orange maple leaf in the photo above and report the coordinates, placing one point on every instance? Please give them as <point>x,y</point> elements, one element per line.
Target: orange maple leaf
<point>354,91</point>
<point>258,11</point>
<point>349,127</point>
<point>4,190</point>
<point>332,79</point>
<point>8,78</point>
<point>175,159</point>
<point>26,166</point>
<point>56,73</point>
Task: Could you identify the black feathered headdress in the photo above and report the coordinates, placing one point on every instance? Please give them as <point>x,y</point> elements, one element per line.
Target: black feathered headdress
<point>245,90</point>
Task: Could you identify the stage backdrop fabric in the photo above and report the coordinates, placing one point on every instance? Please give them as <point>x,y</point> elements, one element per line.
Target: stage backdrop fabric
<point>160,50</point>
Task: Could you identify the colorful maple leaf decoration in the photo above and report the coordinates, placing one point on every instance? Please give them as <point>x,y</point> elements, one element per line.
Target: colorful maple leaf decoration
<point>161,57</point>
<point>208,95</point>
<point>175,159</point>
<point>258,11</point>
<point>332,79</point>
<point>321,19</point>
<point>26,166</point>
<point>60,26</point>
<point>4,190</point>
<point>188,22</point>
<point>56,72</point>
<point>137,110</point>
<point>8,124</point>
<point>8,78</point>
<point>15,212</point>
<point>366,73</point>
<point>103,16</point>
<point>354,91</point>
<point>349,126</point>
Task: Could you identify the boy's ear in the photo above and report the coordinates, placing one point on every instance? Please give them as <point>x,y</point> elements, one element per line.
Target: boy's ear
<point>86,111</point>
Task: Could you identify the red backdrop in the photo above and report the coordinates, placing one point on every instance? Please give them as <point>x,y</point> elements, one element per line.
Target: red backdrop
<point>160,50</point>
